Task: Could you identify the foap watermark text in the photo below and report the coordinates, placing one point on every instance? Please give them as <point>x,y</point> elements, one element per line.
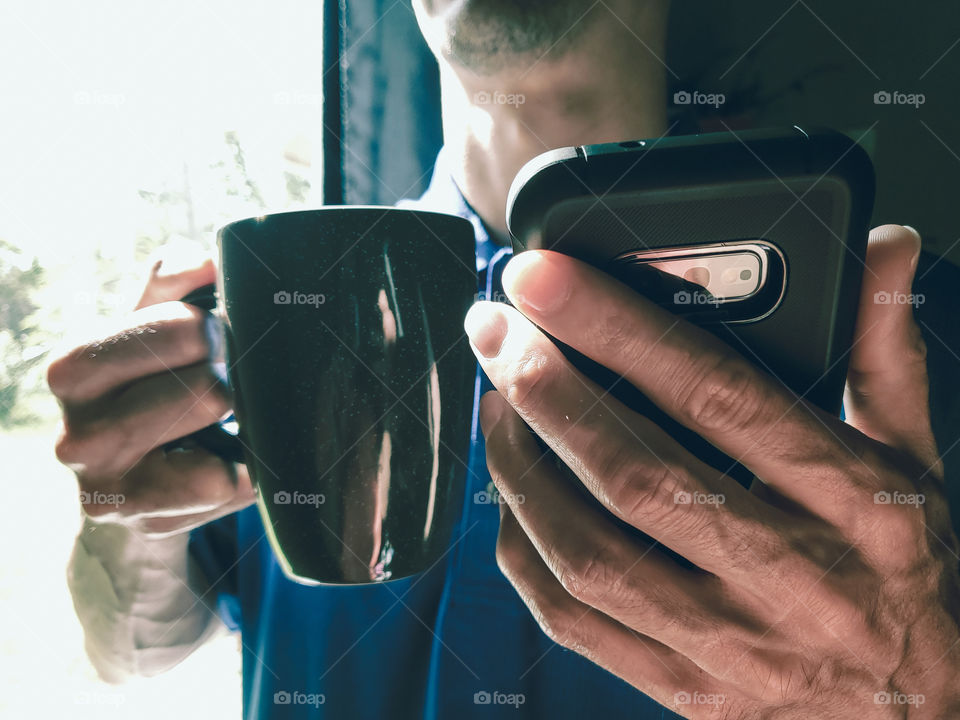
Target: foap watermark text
<point>695,97</point>
<point>698,498</point>
<point>101,498</point>
<point>282,497</point>
<point>895,97</point>
<point>285,297</point>
<point>295,697</point>
<point>499,98</point>
<point>883,297</point>
<point>898,498</point>
<point>699,698</point>
<point>495,697</point>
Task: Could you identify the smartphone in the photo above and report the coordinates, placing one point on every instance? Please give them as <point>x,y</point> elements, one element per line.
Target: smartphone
<point>758,236</point>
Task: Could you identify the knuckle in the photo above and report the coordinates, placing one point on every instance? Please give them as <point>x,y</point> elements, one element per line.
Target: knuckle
<point>615,329</point>
<point>591,575</point>
<point>896,521</point>
<point>908,522</point>
<point>57,376</point>
<point>102,445</point>
<point>876,635</point>
<point>794,567</point>
<point>528,381</point>
<point>723,399</point>
<point>747,543</point>
<point>63,375</point>
<point>647,491</point>
<point>68,450</point>
<point>835,609</point>
<point>615,470</point>
<point>81,451</point>
<point>105,444</point>
<point>561,624</point>
<point>85,452</point>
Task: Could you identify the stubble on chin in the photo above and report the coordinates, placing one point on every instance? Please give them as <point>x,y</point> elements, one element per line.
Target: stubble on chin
<point>492,36</point>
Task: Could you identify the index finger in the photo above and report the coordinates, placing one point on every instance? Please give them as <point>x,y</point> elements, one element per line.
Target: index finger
<point>158,338</point>
<point>691,375</point>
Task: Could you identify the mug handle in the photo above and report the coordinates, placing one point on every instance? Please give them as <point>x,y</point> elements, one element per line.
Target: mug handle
<point>213,438</point>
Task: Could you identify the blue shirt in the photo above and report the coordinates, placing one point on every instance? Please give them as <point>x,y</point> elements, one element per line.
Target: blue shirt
<point>453,642</point>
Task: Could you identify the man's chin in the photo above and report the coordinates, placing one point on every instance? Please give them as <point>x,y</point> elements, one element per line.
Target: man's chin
<point>489,36</point>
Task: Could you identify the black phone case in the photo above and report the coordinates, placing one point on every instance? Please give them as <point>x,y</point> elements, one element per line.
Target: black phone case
<point>809,194</point>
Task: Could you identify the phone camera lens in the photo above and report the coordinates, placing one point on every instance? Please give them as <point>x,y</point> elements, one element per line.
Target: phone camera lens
<point>746,274</point>
<point>698,275</point>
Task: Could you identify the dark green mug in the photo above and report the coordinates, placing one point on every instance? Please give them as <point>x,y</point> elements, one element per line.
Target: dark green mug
<point>353,384</point>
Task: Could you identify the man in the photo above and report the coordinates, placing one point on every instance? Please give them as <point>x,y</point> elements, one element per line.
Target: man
<point>811,600</point>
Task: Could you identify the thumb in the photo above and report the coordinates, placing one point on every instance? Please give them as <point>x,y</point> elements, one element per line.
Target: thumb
<point>176,272</point>
<point>887,387</point>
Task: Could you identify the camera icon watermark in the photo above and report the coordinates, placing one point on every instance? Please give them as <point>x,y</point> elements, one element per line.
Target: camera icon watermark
<point>898,498</point>
<point>695,97</point>
<point>495,697</point>
<point>101,498</point>
<point>499,98</point>
<point>285,697</point>
<point>284,297</point>
<point>895,97</point>
<point>882,297</point>
<point>282,497</point>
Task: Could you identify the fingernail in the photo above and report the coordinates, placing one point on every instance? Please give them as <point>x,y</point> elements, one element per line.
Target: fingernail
<point>916,255</point>
<point>532,279</point>
<point>491,408</point>
<point>914,231</point>
<point>486,326</point>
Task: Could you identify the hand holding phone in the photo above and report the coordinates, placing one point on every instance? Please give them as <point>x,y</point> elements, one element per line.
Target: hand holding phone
<point>758,236</point>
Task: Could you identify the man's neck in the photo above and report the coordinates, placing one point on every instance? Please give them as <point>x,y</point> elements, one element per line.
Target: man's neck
<point>613,89</point>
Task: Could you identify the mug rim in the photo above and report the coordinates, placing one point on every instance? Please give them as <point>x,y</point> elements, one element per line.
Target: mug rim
<point>290,214</point>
